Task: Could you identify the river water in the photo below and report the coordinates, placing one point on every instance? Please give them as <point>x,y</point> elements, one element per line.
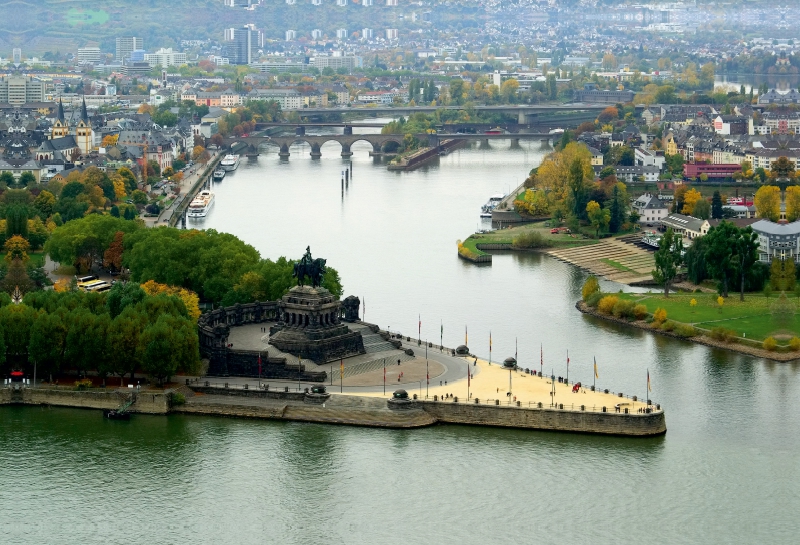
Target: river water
<point>726,471</point>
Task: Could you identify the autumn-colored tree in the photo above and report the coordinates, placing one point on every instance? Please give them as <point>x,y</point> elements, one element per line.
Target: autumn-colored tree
<point>177,177</point>
<point>109,140</point>
<point>145,109</point>
<point>782,168</point>
<point>112,258</point>
<point>189,298</point>
<point>17,247</point>
<point>609,114</point>
<point>553,175</point>
<point>62,285</point>
<point>690,198</point>
<point>768,202</point>
<point>793,203</point>
<point>197,152</point>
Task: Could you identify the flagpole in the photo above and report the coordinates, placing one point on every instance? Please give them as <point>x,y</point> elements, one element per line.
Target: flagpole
<point>427,378</point>
<point>568,366</point>
<point>468,381</point>
<point>541,359</point>
<point>441,335</point>
<point>490,347</point>
<point>384,376</point>
<point>594,380</point>
<point>341,376</point>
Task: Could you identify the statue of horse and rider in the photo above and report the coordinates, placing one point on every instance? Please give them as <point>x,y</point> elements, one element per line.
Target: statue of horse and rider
<point>308,267</point>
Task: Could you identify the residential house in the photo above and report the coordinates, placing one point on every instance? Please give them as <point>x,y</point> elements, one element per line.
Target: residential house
<point>777,240</point>
<point>686,226</point>
<point>651,208</point>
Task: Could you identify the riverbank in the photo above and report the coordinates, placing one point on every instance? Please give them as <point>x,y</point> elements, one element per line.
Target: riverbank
<point>740,345</point>
<point>367,411</point>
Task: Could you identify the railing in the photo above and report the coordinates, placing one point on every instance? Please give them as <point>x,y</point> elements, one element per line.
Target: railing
<point>571,407</point>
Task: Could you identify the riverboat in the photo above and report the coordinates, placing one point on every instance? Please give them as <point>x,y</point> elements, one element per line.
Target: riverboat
<point>229,162</point>
<point>218,175</point>
<point>491,204</point>
<point>200,205</point>
<point>651,238</point>
<point>113,414</point>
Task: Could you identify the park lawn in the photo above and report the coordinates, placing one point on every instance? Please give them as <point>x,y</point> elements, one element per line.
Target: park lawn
<point>679,309</point>
<point>36,258</point>
<point>88,16</point>
<point>756,327</point>
<point>506,236</point>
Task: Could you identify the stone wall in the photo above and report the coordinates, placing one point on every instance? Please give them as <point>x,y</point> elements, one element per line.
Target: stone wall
<point>546,419</point>
<point>150,403</point>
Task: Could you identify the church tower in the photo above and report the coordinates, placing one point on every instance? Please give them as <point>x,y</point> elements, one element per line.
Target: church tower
<point>60,127</point>
<point>84,135</point>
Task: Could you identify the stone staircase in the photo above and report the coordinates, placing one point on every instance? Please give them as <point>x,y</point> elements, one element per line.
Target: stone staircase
<point>378,363</point>
<point>373,342</point>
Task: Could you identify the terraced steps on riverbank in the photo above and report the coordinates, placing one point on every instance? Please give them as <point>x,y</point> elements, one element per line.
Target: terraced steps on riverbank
<point>615,259</point>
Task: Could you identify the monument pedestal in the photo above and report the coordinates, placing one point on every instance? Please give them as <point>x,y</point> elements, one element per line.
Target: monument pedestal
<point>309,326</point>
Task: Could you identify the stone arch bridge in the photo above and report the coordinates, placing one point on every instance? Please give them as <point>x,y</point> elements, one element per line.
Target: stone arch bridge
<point>378,141</point>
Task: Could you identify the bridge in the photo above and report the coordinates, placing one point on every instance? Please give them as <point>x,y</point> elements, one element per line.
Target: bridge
<point>525,113</point>
<point>378,141</point>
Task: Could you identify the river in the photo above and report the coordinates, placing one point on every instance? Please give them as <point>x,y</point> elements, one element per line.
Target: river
<point>725,472</point>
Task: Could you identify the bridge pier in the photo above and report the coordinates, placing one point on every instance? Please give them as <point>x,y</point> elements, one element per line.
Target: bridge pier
<point>315,151</point>
<point>300,131</point>
<point>284,153</point>
<point>346,150</point>
<point>348,130</point>
<point>376,148</point>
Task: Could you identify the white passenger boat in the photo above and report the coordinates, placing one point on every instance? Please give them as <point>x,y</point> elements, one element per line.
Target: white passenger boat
<point>218,175</point>
<point>200,205</point>
<point>491,204</point>
<point>229,162</point>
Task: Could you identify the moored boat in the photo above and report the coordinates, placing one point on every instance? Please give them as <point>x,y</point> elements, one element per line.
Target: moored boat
<point>218,175</point>
<point>200,205</point>
<point>229,162</point>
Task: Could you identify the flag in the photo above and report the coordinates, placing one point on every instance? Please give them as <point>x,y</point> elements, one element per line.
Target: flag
<point>341,369</point>
<point>595,369</point>
<point>490,341</point>
<point>259,365</point>
<point>441,329</point>
<point>384,372</point>
<point>648,381</point>
<point>541,357</point>
<point>468,375</point>
<point>466,336</point>
<point>515,350</point>
<point>419,326</point>
<point>427,379</point>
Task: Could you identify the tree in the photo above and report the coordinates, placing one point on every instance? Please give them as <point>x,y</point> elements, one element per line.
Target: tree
<point>577,189</point>
<point>746,253</point>
<point>27,179</point>
<point>793,203</point>
<point>598,217</point>
<point>695,260</point>
<point>768,202</point>
<point>719,256</point>
<point>187,297</point>
<point>667,259</point>
<point>609,114</point>
<point>702,209</point>
<point>589,287</point>
<point>85,239</point>
<point>782,168</point>
<point>690,199</point>
<point>44,203</point>
<point>617,207</point>
<point>112,258</point>
<point>716,206</point>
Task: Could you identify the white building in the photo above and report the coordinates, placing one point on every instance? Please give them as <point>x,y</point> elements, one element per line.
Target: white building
<point>341,34</point>
<point>391,2</point>
<point>367,33</point>
<point>316,2</point>
<point>391,33</point>
<point>165,57</point>
<point>89,55</point>
<point>651,208</point>
<point>349,61</point>
<point>777,240</point>
<point>316,34</point>
<point>289,99</point>
<point>291,35</point>
<point>127,45</point>
<point>341,2</point>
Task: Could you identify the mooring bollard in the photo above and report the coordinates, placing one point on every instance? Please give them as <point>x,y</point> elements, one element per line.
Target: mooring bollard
<point>583,407</point>
<point>540,404</point>
<point>626,410</point>
<point>619,394</point>
<point>634,398</point>
<point>285,388</point>
<point>561,406</point>
<point>246,386</point>
<point>436,398</point>
<point>518,403</point>
<point>226,384</point>
<point>455,400</point>
<point>497,402</point>
<point>476,401</point>
<point>208,384</point>
<point>604,409</point>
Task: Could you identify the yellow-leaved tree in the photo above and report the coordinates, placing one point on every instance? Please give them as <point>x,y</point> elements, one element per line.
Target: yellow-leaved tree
<point>554,173</point>
<point>189,298</point>
<point>793,203</point>
<point>690,198</point>
<point>768,202</point>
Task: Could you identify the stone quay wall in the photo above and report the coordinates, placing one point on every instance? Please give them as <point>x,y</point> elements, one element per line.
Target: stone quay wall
<point>146,402</point>
<point>641,425</point>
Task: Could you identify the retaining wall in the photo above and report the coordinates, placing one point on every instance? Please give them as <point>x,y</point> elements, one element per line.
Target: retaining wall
<point>642,425</point>
<point>150,403</point>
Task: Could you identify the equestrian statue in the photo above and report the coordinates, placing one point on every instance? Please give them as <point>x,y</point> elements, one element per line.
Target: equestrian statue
<point>308,267</point>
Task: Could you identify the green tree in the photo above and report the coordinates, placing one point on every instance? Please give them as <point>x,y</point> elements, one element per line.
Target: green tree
<point>618,207</point>
<point>85,239</point>
<point>668,258</point>
<point>702,209</point>
<point>577,189</point>
<point>746,255</point>
<point>44,204</point>
<point>719,257</point>
<point>695,260</point>
<point>598,217</point>
<point>716,206</point>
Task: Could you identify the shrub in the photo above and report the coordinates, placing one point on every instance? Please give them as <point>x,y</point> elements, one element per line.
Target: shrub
<point>640,312</point>
<point>668,325</point>
<point>794,344</point>
<point>531,239</point>
<point>177,398</point>
<point>685,330</point>
<point>623,309</point>
<point>660,315</point>
<point>589,287</point>
<point>770,344</point>
<point>83,384</point>
<point>723,334</point>
<point>593,299</point>
<point>606,304</point>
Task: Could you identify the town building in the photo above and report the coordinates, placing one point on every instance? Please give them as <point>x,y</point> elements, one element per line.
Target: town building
<point>651,209</point>
<point>289,99</point>
<point>165,57</point>
<point>777,240</point>
<point>686,226</point>
<point>127,45</point>
<point>89,55</point>
<point>350,62</point>
<point>590,93</point>
<point>17,89</point>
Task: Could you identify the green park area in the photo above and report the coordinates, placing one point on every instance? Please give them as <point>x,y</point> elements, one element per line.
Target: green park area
<point>87,16</point>
<point>531,236</point>
<point>757,318</point>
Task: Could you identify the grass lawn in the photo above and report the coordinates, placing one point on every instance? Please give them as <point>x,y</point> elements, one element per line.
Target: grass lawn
<point>506,236</point>
<point>89,16</point>
<point>751,316</point>
<point>37,258</point>
<point>617,265</point>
